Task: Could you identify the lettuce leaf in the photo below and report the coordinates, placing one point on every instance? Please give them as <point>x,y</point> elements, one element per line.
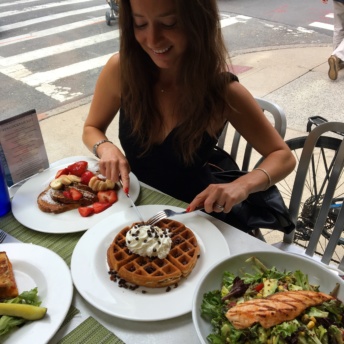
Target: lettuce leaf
<point>8,323</point>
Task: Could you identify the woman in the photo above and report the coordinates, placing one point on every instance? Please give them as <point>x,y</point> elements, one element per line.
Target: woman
<point>171,84</point>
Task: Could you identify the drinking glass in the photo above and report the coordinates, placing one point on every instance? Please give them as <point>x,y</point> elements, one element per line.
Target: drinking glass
<point>5,201</point>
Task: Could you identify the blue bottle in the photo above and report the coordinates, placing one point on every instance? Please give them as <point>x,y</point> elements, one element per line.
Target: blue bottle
<point>5,201</point>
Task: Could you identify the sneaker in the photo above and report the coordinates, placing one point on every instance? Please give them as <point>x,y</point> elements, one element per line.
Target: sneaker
<point>333,63</point>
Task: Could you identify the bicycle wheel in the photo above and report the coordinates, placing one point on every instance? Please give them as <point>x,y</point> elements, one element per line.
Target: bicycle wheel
<point>315,185</point>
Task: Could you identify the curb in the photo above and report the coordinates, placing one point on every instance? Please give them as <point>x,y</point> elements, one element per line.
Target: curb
<point>65,108</point>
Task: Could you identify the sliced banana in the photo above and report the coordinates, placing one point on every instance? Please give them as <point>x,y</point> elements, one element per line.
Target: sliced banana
<point>100,185</point>
<point>64,179</point>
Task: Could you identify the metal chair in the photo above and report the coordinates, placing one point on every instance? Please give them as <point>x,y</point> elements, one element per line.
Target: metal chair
<point>324,204</point>
<point>280,124</point>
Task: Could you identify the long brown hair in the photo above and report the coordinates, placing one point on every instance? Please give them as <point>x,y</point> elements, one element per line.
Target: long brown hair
<point>203,92</point>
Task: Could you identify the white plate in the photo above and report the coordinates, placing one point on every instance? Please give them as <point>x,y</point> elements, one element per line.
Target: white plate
<point>317,274</point>
<point>26,211</point>
<point>36,266</point>
<point>90,270</point>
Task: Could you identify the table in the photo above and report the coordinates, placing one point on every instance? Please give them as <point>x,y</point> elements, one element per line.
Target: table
<point>177,330</point>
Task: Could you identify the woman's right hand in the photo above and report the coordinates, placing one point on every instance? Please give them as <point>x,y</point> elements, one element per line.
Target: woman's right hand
<point>114,165</point>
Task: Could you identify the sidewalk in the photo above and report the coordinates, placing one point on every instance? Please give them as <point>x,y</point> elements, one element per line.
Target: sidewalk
<point>294,78</point>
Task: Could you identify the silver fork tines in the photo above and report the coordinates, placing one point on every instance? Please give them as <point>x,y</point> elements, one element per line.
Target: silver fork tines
<point>3,236</point>
<point>163,215</point>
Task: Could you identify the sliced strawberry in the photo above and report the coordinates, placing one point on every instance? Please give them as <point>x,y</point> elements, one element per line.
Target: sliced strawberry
<point>86,211</point>
<point>75,194</point>
<point>78,168</point>
<point>86,176</point>
<point>67,194</point>
<point>99,207</point>
<point>108,196</point>
<point>61,172</point>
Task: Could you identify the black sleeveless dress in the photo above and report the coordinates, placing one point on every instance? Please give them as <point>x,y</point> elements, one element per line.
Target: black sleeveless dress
<point>163,167</point>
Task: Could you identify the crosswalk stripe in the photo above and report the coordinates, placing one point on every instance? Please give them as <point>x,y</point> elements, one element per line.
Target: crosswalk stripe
<point>51,17</point>
<point>322,25</point>
<point>42,7</point>
<point>37,79</point>
<point>53,31</point>
<point>56,49</point>
<point>13,3</point>
<point>232,20</point>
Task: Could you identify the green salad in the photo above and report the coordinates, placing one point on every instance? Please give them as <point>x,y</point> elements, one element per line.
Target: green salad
<point>322,324</point>
<point>9,323</point>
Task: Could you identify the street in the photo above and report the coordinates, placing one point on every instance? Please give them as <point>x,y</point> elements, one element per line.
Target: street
<point>51,52</point>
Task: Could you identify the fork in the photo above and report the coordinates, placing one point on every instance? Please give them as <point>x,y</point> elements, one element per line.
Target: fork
<point>163,214</point>
<point>3,236</point>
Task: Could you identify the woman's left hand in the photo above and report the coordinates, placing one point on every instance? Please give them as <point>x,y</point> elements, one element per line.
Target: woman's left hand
<point>219,197</point>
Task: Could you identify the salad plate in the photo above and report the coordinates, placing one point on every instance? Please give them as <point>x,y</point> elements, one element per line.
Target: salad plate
<point>92,280</point>
<point>26,211</point>
<point>211,280</point>
<point>36,266</point>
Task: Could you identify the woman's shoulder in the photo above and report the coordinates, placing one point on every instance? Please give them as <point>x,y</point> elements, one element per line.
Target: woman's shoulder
<point>113,62</point>
<point>112,67</point>
<point>110,75</point>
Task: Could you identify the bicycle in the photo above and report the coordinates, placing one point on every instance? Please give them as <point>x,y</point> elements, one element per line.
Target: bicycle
<point>316,182</point>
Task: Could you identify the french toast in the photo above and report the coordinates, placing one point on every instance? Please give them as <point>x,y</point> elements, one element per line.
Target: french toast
<point>88,196</point>
<point>8,286</point>
<point>76,187</point>
<point>154,272</point>
<point>54,201</point>
<point>48,205</point>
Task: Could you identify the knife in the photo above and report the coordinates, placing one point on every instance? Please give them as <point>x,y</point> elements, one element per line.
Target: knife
<point>133,204</point>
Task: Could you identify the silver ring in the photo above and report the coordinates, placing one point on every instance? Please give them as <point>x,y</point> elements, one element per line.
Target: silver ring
<point>218,206</point>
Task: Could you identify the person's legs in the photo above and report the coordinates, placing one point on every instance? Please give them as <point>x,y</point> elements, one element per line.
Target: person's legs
<point>338,32</point>
<point>335,61</point>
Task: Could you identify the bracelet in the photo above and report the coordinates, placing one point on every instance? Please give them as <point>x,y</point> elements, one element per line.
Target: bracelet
<point>267,174</point>
<point>96,145</point>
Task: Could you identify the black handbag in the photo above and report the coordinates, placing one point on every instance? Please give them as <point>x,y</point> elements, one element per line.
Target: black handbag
<point>263,209</point>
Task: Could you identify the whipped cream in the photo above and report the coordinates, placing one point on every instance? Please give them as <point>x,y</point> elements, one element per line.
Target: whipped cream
<point>150,241</point>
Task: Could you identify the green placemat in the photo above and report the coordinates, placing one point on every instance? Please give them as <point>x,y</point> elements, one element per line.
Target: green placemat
<point>63,244</point>
<point>90,332</point>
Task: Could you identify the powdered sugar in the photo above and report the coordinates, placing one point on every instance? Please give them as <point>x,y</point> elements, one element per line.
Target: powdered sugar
<point>46,197</point>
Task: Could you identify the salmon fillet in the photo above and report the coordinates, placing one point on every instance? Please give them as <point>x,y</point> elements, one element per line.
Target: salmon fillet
<point>274,309</point>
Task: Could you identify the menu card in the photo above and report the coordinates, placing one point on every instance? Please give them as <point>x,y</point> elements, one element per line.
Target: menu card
<point>22,150</point>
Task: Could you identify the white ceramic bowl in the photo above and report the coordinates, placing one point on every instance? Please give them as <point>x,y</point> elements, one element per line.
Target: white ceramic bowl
<point>317,274</point>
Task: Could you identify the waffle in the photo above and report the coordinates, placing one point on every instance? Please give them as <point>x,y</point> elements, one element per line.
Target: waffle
<point>155,272</point>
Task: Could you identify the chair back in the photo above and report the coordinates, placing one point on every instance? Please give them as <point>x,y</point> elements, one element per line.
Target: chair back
<point>280,124</point>
<point>333,177</point>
